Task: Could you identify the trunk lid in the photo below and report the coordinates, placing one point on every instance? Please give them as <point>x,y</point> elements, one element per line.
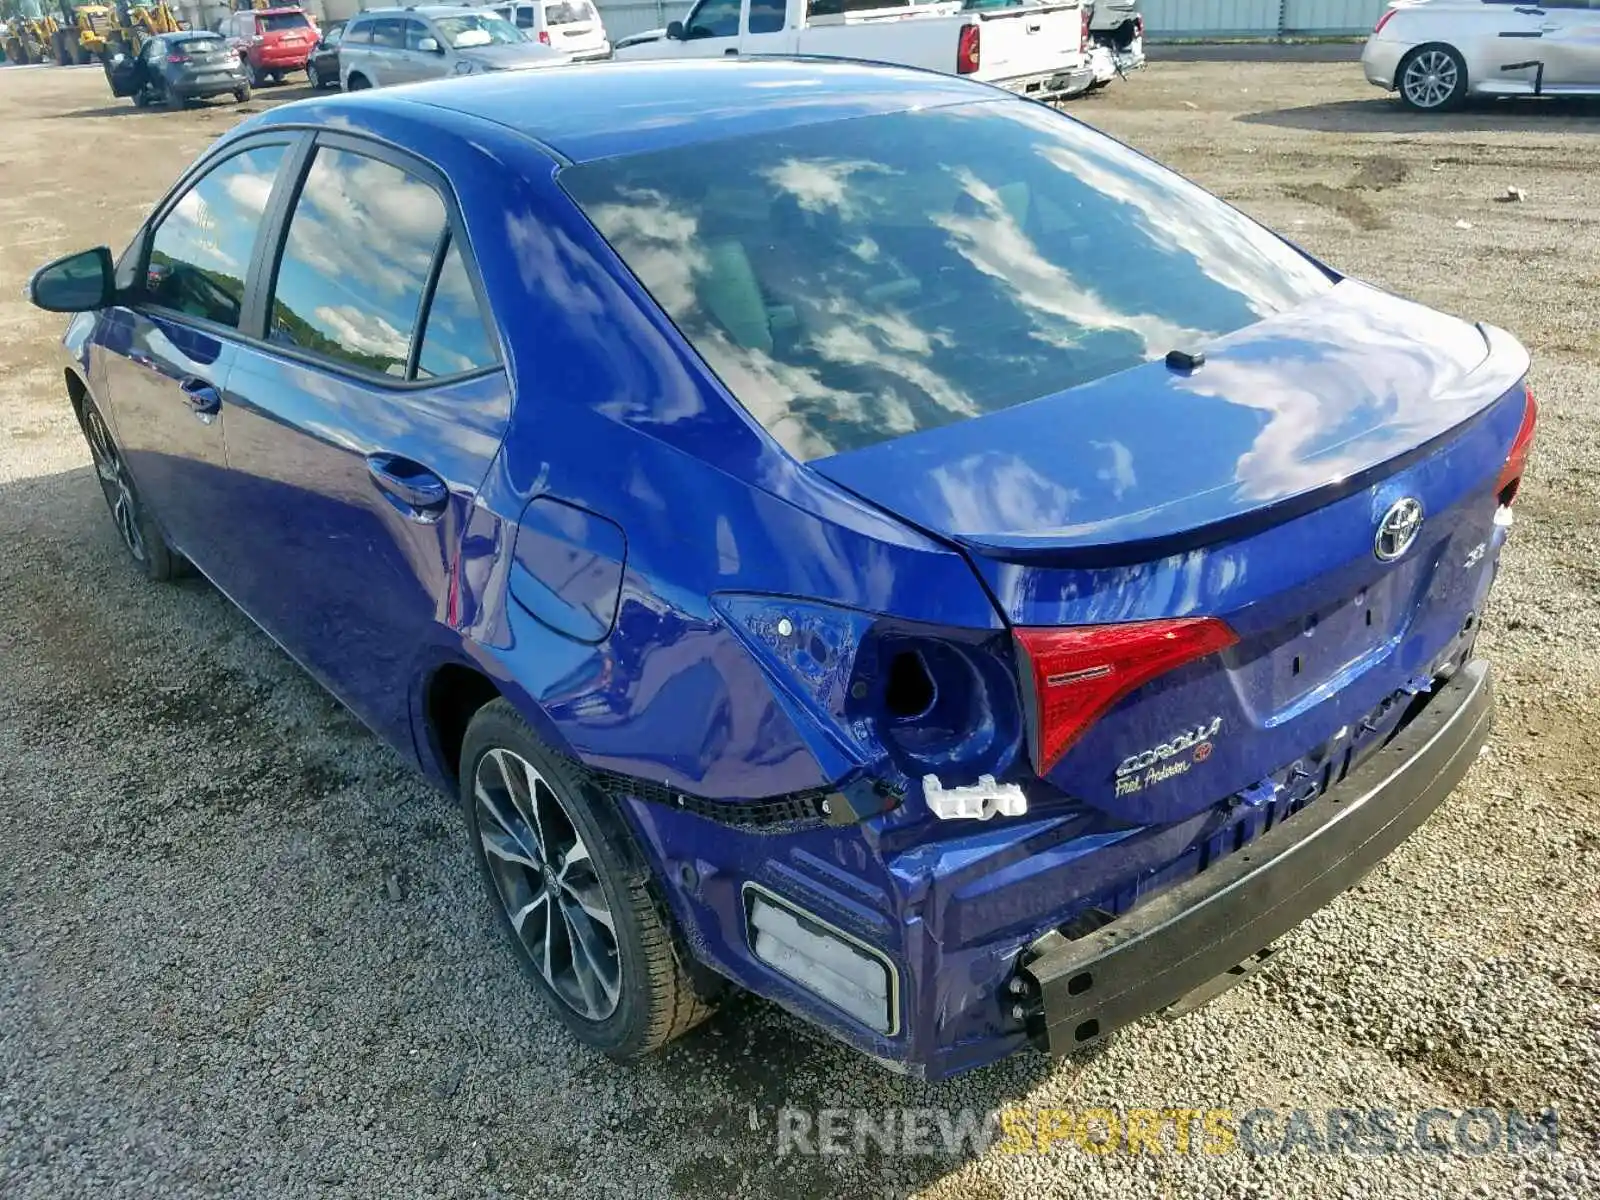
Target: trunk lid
<point>1252,489</point>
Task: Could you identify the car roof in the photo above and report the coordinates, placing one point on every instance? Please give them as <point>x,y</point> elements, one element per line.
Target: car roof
<point>425,10</point>
<point>609,109</point>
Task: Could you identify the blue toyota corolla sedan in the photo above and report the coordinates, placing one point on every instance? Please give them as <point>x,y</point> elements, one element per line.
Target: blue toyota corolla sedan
<point>845,533</point>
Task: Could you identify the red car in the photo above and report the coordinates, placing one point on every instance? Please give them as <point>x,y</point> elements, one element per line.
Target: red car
<point>272,41</point>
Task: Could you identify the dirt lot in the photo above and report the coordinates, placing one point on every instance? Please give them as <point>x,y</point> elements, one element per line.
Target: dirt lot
<point>244,952</point>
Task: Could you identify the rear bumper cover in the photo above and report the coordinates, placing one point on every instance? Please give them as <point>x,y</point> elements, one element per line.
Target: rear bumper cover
<point>1161,951</point>
<point>1055,85</point>
<point>195,90</point>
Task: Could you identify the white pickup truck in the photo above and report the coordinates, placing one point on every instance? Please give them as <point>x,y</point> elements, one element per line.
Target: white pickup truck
<point>1036,49</point>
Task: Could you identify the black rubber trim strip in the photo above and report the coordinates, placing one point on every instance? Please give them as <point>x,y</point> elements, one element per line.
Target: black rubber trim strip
<point>1153,956</point>
<point>842,804</point>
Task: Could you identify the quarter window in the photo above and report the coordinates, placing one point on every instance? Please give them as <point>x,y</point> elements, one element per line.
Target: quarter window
<point>201,249</point>
<point>356,260</point>
<point>454,339</point>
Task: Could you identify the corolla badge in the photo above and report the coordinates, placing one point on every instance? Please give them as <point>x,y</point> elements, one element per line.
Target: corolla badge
<point>1398,529</point>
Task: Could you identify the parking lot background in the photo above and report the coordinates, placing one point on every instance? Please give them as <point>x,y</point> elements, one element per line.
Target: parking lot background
<point>243,950</point>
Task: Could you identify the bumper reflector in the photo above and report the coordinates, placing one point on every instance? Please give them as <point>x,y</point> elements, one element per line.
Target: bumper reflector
<point>821,959</point>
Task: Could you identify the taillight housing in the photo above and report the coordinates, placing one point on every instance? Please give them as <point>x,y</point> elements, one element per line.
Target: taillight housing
<point>1072,675</point>
<point>967,50</point>
<point>1388,16</point>
<point>177,58</point>
<point>544,36</point>
<point>1510,481</point>
<point>1083,33</point>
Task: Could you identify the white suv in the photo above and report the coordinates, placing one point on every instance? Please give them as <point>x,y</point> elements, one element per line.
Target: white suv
<point>384,46</point>
<point>571,26</point>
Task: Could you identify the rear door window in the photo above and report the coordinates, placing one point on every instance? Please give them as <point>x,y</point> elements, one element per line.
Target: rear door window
<point>356,260</point>
<point>389,33</point>
<point>201,248</point>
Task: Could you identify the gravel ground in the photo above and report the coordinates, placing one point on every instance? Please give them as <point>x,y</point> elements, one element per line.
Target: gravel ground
<point>245,952</point>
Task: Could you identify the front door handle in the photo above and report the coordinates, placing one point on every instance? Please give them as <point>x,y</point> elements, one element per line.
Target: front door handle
<point>731,50</point>
<point>413,489</point>
<point>204,400</point>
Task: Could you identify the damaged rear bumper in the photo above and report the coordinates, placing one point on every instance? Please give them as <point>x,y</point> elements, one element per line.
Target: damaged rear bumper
<point>1187,936</point>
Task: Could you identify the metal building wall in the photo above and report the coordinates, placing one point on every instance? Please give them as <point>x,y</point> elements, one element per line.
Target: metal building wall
<point>1165,19</point>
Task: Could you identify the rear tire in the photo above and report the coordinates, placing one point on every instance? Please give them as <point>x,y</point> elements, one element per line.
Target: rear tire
<point>590,938</point>
<point>141,537</point>
<point>356,83</point>
<point>1432,78</point>
<point>241,95</point>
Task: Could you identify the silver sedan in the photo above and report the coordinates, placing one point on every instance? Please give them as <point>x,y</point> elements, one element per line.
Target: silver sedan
<point>1436,53</point>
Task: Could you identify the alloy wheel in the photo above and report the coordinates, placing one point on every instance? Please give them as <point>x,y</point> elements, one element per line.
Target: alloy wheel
<point>114,483</point>
<point>1430,79</point>
<point>548,884</point>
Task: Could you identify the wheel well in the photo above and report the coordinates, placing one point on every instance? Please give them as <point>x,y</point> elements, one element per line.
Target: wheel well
<point>76,392</point>
<point>455,694</point>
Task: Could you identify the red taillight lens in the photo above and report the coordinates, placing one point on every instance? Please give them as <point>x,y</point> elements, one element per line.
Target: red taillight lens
<point>1510,480</point>
<point>544,36</point>
<point>1078,672</point>
<point>967,50</point>
<point>1083,33</point>
<point>177,58</point>
<point>1384,20</point>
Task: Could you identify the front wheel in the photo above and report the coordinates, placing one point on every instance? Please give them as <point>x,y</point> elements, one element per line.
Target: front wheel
<point>141,538</point>
<point>356,82</point>
<point>570,894</point>
<point>241,95</point>
<point>1433,79</point>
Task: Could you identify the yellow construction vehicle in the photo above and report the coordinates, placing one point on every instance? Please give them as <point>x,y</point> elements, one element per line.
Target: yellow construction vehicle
<point>86,34</point>
<point>31,39</point>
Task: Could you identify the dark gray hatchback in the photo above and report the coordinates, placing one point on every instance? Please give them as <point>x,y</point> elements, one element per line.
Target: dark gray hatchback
<point>175,68</point>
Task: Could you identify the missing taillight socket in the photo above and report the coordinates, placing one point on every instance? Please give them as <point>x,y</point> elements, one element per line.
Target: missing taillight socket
<point>909,692</point>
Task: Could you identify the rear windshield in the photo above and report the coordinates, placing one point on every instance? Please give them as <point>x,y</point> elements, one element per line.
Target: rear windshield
<point>277,22</point>
<point>567,12</point>
<point>199,43</point>
<point>858,280</point>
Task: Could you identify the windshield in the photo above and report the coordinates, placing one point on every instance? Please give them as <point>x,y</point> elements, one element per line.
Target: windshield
<point>567,12</point>
<point>853,281</point>
<point>277,22</point>
<point>477,29</point>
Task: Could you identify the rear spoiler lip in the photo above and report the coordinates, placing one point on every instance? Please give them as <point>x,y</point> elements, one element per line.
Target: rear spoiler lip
<point>1504,369</point>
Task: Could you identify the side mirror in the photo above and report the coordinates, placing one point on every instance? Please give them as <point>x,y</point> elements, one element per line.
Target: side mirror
<point>675,31</point>
<point>429,45</point>
<point>77,283</point>
<point>118,59</point>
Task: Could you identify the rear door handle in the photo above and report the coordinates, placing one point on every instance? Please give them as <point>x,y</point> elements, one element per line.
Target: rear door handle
<point>731,50</point>
<point>414,489</point>
<point>205,401</point>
